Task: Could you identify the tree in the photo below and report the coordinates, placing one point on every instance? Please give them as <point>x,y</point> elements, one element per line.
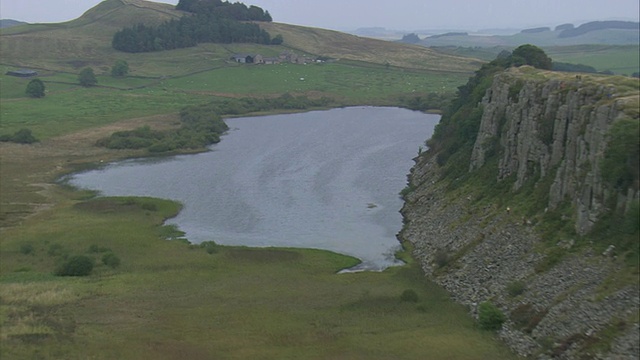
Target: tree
<point>531,55</point>
<point>76,266</point>
<point>35,88</point>
<point>120,68</point>
<point>277,40</point>
<point>87,78</point>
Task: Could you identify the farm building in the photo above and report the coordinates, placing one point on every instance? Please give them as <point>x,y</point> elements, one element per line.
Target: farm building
<point>22,73</point>
<point>243,58</point>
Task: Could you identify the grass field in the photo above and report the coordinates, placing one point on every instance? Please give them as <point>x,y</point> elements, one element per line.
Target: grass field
<point>619,59</point>
<point>169,300</point>
<point>68,107</point>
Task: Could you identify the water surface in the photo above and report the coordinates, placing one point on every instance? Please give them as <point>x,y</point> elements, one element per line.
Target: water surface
<point>324,179</point>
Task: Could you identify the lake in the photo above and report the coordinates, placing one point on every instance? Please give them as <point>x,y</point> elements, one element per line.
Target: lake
<point>322,179</point>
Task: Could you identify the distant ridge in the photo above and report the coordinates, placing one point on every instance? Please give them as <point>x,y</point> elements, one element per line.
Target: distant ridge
<point>592,33</point>
<point>599,25</point>
<point>7,23</point>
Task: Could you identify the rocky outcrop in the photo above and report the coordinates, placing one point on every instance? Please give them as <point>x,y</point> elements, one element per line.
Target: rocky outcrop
<point>552,125</point>
<point>561,300</point>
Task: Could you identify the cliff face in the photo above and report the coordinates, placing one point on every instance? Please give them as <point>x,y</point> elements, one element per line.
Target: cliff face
<point>551,125</point>
<point>543,138</point>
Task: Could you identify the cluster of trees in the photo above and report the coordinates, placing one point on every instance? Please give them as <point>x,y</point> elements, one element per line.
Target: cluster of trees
<point>237,11</point>
<point>202,125</point>
<point>431,101</point>
<point>212,21</point>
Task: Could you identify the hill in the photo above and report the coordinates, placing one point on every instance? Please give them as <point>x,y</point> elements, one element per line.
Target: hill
<point>597,32</point>
<point>87,41</point>
<point>345,46</point>
<point>6,23</point>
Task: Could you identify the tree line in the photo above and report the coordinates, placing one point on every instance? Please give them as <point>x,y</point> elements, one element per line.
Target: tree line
<point>210,21</point>
<point>202,125</point>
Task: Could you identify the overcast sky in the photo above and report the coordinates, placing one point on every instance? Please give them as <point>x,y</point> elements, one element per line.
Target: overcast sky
<point>391,14</point>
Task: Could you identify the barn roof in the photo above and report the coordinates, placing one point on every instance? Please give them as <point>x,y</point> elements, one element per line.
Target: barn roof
<point>22,72</point>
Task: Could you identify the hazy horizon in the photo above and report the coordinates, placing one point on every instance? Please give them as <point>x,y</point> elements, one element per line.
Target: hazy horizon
<point>398,15</point>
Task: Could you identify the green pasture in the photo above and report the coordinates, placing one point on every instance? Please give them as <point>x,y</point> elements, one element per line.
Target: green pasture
<point>76,108</point>
<point>170,300</point>
<point>68,107</point>
<point>352,82</point>
<point>619,59</point>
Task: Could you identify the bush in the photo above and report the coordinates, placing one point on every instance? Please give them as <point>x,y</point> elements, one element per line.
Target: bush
<point>409,296</point>
<point>526,317</point>
<point>26,249</point>
<point>210,247</point>
<point>111,260</point>
<point>78,265</point>
<point>22,136</point>
<point>490,317</point>
<point>516,288</point>
<point>56,250</point>
<point>442,258</point>
<point>98,249</point>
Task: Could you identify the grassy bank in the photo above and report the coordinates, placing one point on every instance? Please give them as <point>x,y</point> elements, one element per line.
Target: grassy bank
<point>170,300</point>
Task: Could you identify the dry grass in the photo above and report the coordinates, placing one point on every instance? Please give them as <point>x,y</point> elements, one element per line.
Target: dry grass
<point>36,294</point>
<point>339,45</point>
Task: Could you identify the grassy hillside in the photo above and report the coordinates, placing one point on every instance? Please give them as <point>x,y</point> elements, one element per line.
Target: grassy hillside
<point>167,299</point>
<point>87,41</point>
<point>344,46</point>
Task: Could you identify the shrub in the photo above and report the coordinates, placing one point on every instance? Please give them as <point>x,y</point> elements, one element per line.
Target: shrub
<point>56,250</point>
<point>516,288</point>
<point>409,295</point>
<point>98,249</point>
<point>22,136</point>
<point>210,247</point>
<point>525,317</point>
<point>149,206</point>
<point>78,265</point>
<point>490,317</point>
<point>111,260</point>
<point>26,249</point>
<point>442,258</point>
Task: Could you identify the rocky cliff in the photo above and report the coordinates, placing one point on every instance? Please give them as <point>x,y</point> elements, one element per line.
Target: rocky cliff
<point>542,219</point>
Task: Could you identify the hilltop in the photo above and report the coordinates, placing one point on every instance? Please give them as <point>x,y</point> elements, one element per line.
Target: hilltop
<point>87,41</point>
